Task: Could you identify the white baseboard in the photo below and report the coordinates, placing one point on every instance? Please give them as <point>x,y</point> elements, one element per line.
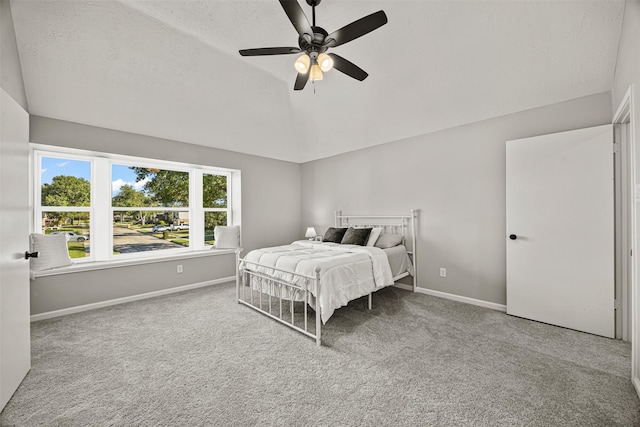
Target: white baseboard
<point>636,384</point>
<point>101,304</point>
<point>473,301</point>
<point>403,286</point>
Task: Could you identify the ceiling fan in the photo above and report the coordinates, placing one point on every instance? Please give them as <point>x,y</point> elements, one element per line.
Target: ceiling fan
<point>314,42</point>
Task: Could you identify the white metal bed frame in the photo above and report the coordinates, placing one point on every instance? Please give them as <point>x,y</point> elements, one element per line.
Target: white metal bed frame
<point>400,224</point>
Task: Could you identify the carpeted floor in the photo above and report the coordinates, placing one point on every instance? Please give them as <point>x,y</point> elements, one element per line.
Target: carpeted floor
<point>198,358</point>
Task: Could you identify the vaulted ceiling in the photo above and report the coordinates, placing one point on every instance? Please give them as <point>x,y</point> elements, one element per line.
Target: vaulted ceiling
<point>171,69</point>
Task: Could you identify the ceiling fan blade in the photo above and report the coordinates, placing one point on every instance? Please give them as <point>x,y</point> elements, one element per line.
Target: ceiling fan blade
<point>356,29</point>
<point>348,67</point>
<point>298,18</point>
<point>270,51</point>
<point>301,80</point>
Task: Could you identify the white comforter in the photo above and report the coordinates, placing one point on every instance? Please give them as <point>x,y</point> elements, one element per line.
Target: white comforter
<point>347,272</point>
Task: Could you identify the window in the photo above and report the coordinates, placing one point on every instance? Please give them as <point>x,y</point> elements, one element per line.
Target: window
<point>65,201</point>
<point>138,224</point>
<point>214,204</point>
<point>132,207</point>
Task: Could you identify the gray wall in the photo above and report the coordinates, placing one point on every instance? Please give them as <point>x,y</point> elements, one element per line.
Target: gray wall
<point>10,70</point>
<point>270,214</point>
<point>628,65</point>
<point>456,177</point>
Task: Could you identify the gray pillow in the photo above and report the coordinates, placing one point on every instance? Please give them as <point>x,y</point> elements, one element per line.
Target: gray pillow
<point>373,237</point>
<point>356,236</point>
<point>388,240</point>
<point>52,251</point>
<point>334,235</point>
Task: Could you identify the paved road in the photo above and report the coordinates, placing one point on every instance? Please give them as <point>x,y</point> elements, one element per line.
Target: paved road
<point>128,241</point>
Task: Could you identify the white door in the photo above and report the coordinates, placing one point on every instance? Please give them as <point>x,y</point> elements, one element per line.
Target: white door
<point>15,347</point>
<point>560,229</point>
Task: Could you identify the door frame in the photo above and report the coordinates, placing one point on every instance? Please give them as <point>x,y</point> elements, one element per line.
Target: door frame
<point>624,227</point>
<point>625,133</point>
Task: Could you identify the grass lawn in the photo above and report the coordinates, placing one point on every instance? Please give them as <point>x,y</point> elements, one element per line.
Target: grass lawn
<point>183,242</point>
<point>76,249</point>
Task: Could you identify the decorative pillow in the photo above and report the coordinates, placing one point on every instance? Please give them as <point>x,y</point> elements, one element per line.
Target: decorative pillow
<point>334,235</point>
<point>356,236</point>
<point>226,237</point>
<point>52,251</point>
<point>388,240</point>
<point>373,237</point>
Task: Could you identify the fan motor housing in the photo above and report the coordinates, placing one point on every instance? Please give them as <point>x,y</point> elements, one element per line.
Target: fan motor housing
<point>316,45</point>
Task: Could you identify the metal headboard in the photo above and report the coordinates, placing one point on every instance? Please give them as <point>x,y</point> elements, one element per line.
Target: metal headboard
<point>405,225</point>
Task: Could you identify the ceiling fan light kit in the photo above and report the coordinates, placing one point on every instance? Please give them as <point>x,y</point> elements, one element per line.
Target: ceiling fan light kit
<point>302,64</point>
<point>314,41</point>
<point>315,73</point>
<point>325,62</point>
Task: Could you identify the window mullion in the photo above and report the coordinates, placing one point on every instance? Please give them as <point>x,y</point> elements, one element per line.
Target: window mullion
<point>234,205</point>
<point>37,193</point>
<point>196,213</point>
<point>102,216</point>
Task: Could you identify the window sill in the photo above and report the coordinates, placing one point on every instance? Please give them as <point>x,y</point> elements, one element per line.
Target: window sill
<point>101,265</point>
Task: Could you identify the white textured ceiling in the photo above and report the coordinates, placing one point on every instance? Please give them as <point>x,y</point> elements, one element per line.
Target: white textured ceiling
<point>171,69</point>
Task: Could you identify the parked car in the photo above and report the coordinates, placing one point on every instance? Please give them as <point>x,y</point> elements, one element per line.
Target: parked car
<point>180,227</point>
<point>73,237</point>
<point>159,228</point>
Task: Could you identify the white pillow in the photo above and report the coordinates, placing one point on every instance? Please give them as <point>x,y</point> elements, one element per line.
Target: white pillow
<point>227,237</point>
<point>373,237</point>
<point>52,251</point>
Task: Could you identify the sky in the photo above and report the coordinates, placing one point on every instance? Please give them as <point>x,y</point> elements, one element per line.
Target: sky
<point>120,174</point>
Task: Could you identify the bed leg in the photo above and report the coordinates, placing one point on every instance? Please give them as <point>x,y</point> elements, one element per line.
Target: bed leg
<point>318,324</point>
<point>318,320</point>
<point>238,276</point>
<point>370,298</point>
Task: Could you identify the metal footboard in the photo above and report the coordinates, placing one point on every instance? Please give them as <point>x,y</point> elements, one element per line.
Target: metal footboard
<point>276,293</point>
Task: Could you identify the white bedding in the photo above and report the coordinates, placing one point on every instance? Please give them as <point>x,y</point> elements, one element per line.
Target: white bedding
<point>347,272</point>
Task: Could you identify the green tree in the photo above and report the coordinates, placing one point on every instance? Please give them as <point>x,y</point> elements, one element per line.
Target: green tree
<point>214,195</point>
<point>171,189</point>
<point>166,187</point>
<point>66,190</point>
<point>130,197</point>
<point>214,191</point>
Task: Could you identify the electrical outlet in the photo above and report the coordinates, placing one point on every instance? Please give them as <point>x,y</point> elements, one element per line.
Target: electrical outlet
<point>179,268</point>
<point>443,272</point>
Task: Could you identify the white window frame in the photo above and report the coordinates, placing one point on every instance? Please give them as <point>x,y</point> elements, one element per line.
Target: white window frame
<point>102,212</point>
<point>200,200</point>
<point>37,193</point>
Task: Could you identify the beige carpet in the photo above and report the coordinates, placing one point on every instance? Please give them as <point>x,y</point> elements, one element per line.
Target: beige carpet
<point>198,358</point>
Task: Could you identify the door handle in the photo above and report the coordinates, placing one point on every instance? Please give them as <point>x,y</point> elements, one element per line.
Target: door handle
<point>28,255</point>
<point>513,236</point>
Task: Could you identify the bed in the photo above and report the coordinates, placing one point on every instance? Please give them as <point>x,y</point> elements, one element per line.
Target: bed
<point>358,256</point>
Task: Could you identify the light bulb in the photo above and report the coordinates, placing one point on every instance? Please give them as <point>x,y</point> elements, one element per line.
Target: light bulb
<point>316,73</point>
<point>302,63</point>
<point>325,62</point>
